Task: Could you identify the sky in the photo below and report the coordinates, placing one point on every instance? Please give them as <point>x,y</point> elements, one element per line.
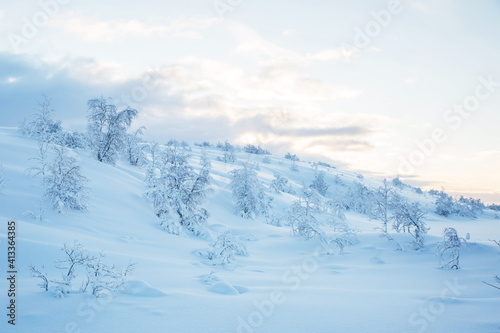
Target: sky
<point>385,88</point>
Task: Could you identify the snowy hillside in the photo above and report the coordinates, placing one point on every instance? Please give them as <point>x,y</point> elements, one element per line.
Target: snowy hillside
<point>348,279</point>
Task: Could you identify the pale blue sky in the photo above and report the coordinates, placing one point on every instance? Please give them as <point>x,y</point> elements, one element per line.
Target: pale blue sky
<point>276,73</point>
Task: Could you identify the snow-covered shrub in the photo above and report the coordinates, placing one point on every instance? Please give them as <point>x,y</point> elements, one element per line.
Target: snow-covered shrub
<point>409,217</point>
<point>107,128</point>
<point>258,150</point>
<point>204,144</point>
<point>79,266</point>
<point>65,185</point>
<point>293,166</point>
<point>464,207</point>
<point>248,193</point>
<point>224,250</point>
<point>178,192</point>
<point>103,279</point>
<point>266,160</point>
<point>279,184</point>
<point>291,157</point>
<point>40,125</point>
<point>449,249</point>
<point>319,183</point>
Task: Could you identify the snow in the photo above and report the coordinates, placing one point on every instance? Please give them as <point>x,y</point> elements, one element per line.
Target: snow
<point>285,284</point>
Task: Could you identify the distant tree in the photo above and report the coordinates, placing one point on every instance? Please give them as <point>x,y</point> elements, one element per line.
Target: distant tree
<point>248,193</point>
<point>107,128</point>
<point>293,166</point>
<point>64,182</point>
<point>381,204</point>
<point>229,150</point>
<point>266,160</point>
<point>359,198</point>
<point>319,183</point>
<point>134,149</point>
<point>291,157</point>
<point>409,217</point>
<point>40,125</point>
<point>449,249</point>
<point>396,182</point>
<point>178,192</point>
<point>279,184</point>
<point>251,149</point>
<point>444,204</point>
<point>464,207</point>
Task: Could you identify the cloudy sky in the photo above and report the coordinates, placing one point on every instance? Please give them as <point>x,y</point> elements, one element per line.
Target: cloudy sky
<point>409,88</point>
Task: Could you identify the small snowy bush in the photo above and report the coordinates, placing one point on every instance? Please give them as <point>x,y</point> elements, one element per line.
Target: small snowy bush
<point>449,249</point>
<point>223,251</point>
<point>78,265</point>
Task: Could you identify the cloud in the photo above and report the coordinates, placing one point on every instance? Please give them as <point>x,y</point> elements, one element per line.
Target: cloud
<point>195,99</point>
<point>289,32</point>
<point>96,30</point>
<point>330,55</point>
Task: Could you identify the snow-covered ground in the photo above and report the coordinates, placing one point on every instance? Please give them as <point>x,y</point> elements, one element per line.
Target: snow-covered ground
<point>285,284</point>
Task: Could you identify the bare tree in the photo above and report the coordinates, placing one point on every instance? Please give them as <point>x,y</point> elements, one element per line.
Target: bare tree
<point>409,217</point>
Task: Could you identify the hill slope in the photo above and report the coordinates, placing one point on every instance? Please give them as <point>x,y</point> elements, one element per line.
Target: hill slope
<point>285,284</point>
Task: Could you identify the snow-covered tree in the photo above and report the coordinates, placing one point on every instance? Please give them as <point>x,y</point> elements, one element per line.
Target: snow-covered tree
<point>319,183</point>
<point>310,218</point>
<point>465,207</point>
<point>293,166</point>
<point>359,198</point>
<point>303,214</point>
<point>64,182</point>
<point>279,184</point>
<point>409,217</point>
<point>248,193</point>
<point>40,125</point>
<point>178,192</point>
<point>107,128</point>
<point>381,204</point>
<point>449,249</point>
<point>444,204</point>
<point>40,162</point>
<point>134,149</point>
